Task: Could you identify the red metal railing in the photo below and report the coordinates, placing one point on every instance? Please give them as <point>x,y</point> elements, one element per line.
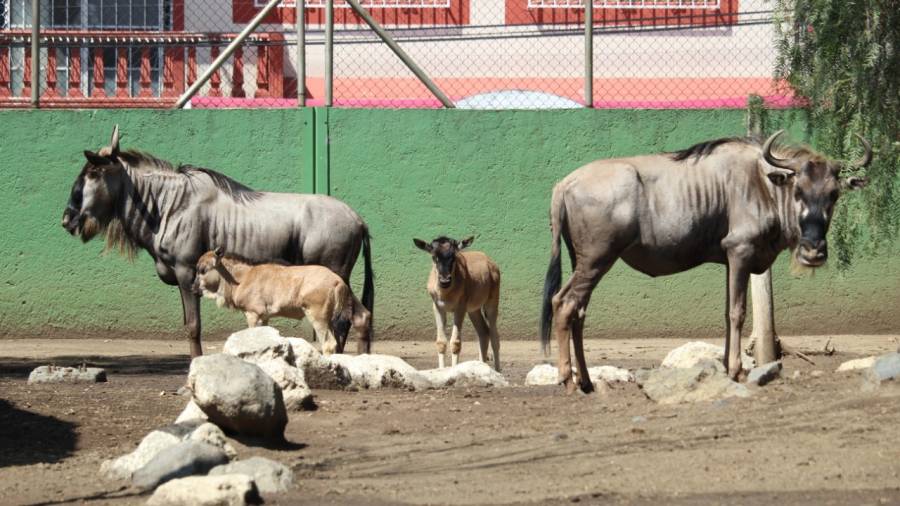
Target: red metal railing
<point>178,69</point>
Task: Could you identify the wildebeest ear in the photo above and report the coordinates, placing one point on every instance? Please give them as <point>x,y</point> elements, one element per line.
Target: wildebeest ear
<point>422,245</point>
<point>95,159</point>
<point>465,243</point>
<point>854,182</point>
<point>780,177</point>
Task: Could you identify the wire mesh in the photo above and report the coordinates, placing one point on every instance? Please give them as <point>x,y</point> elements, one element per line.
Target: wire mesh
<point>483,54</point>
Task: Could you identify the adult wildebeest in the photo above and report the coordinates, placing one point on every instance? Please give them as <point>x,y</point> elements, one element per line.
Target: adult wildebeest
<point>177,214</point>
<point>262,291</point>
<point>463,282</point>
<point>727,201</point>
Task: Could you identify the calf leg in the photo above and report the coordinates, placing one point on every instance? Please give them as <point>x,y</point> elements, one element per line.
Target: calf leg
<point>253,319</point>
<point>491,312</point>
<point>481,328</point>
<point>736,310</point>
<point>456,337</point>
<point>440,320</point>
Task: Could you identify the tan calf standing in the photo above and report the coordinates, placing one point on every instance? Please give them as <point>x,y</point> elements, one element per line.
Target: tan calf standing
<point>463,282</point>
<point>292,291</point>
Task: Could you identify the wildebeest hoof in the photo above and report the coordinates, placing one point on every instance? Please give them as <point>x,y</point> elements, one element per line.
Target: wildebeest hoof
<point>587,387</point>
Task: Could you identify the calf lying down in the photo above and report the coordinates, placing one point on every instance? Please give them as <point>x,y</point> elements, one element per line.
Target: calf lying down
<point>262,291</point>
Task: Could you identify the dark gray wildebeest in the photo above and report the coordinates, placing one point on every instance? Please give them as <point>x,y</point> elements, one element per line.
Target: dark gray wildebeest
<point>463,282</point>
<point>726,201</point>
<point>177,213</point>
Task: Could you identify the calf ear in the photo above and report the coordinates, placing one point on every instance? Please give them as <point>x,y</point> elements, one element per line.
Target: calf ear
<point>465,243</point>
<point>854,182</point>
<point>422,245</point>
<point>780,177</point>
<point>219,252</point>
<point>95,159</point>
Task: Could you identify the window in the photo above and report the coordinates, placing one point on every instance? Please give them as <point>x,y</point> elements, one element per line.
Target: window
<point>369,4</point>
<point>81,14</point>
<point>625,4</point>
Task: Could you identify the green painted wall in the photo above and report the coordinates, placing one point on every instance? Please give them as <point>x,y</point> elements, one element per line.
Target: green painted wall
<point>410,174</point>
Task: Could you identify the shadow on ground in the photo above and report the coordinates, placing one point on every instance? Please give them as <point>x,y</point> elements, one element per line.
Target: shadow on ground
<point>129,364</point>
<point>30,438</point>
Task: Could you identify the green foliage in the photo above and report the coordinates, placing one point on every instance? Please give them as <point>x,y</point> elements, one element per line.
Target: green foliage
<point>843,57</point>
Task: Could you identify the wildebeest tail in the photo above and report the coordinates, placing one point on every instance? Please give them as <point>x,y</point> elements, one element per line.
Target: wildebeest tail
<point>554,272</point>
<point>368,295</point>
<point>342,319</point>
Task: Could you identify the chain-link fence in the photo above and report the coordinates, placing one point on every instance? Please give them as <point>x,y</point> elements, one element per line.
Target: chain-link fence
<point>479,53</point>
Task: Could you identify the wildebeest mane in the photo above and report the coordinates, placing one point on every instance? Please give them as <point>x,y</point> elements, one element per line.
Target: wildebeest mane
<point>705,148</point>
<point>142,161</point>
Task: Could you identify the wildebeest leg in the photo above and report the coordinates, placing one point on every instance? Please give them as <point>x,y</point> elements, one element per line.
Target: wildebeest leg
<point>481,328</point>
<point>736,310</point>
<point>491,311</point>
<point>190,304</point>
<point>440,320</point>
<point>459,317</point>
<point>570,306</point>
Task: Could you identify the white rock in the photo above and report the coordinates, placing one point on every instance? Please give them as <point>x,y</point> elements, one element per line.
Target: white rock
<point>380,371</point>
<point>856,364</point>
<point>220,490</point>
<point>270,476</point>
<point>191,412</point>
<point>702,383</point>
<point>53,374</point>
<point>692,353</point>
<point>466,374</point>
<point>259,344</point>
<point>318,371</point>
<point>297,395</point>
<point>123,467</point>
<point>547,374</point>
<point>158,440</point>
<point>238,396</point>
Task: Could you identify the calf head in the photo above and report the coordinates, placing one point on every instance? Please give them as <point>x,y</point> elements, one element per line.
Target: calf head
<point>211,273</point>
<point>95,192</point>
<point>443,252</point>
<point>816,184</point>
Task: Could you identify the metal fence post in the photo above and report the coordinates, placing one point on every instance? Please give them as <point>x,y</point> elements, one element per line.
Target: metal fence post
<point>35,53</point>
<point>217,63</point>
<point>392,44</point>
<point>301,53</point>
<point>329,53</point>
<point>588,53</point>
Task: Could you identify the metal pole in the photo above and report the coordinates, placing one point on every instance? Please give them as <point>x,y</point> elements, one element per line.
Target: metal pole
<point>329,52</point>
<point>301,53</point>
<point>254,23</point>
<point>35,53</point>
<point>589,53</point>
<point>410,64</point>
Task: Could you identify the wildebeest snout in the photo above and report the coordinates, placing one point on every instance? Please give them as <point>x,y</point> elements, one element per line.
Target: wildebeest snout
<point>71,220</point>
<point>445,281</point>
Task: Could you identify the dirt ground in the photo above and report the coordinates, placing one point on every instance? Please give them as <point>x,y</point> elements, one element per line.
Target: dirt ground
<point>815,438</point>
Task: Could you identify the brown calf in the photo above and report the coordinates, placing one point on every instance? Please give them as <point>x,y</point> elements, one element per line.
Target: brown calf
<point>463,282</point>
<point>292,291</point>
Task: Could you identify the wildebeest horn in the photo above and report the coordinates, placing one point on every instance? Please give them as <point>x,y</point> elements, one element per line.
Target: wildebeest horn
<point>770,158</point>
<point>867,156</point>
<point>114,141</point>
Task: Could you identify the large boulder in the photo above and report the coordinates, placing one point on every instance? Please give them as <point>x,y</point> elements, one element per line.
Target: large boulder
<point>220,490</point>
<point>885,369</point>
<point>186,458</point>
<point>297,395</point>
<point>259,344</point>
<point>547,374</point>
<point>158,440</point>
<point>703,382</point>
<point>318,371</point>
<point>380,371</point>
<point>53,374</point>
<point>238,396</point>
<point>466,374</point>
<point>270,476</point>
<point>693,353</point>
